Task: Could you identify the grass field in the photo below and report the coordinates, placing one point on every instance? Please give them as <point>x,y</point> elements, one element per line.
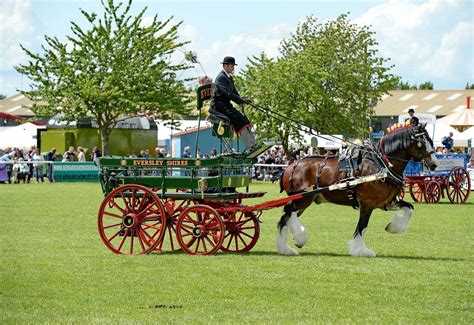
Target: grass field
<point>54,268</point>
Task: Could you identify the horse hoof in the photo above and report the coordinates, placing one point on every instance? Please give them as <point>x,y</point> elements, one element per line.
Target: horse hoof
<point>300,239</point>
<point>364,253</point>
<point>288,251</point>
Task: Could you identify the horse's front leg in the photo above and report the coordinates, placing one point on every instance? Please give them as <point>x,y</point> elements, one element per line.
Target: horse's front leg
<point>401,218</point>
<point>356,245</point>
<point>290,221</point>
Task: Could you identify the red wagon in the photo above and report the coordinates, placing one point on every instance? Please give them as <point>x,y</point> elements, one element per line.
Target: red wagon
<point>451,178</point>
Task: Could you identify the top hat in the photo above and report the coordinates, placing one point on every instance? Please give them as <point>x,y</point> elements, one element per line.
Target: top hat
<point>411,110</point>
<point>228,60</point>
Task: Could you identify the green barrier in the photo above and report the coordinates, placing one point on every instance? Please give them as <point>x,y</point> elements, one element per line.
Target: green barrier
<point>76,172</point>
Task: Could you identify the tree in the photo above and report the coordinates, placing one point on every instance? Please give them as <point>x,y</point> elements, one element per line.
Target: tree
<point>427,85</point>
<point>2,97</point>
<point>406,86</point>
<point>469,86</point>
<point>328,77</point>
<point>117,67</point>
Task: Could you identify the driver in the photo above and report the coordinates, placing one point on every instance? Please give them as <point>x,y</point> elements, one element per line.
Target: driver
<point>224,91</point>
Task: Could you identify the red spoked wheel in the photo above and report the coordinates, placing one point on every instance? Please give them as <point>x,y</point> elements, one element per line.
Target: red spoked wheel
<point>131,220</point>
<point>401,194</point>
<point>173,209</point>
<point>459,185</point>
<point>416,192</point>
<point>432,192</point>
<point>242,230</point>
<point>200,230</point>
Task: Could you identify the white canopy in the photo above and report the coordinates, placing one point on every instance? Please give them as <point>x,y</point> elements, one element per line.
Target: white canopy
<point>467,135</point>
<point>442,130</point>
<point>21,136</point>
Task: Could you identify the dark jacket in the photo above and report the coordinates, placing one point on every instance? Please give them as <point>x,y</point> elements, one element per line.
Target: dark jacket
<point>225,91</point>
<point>413,120</point>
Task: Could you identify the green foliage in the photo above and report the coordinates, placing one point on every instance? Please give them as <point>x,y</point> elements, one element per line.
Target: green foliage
<point>116,67</point>
<point>2,96</point>
<point>427,85</point>
<point>406,86</point>
<point>469,86</point>
<point>328,76</point>
<point>55,269</point>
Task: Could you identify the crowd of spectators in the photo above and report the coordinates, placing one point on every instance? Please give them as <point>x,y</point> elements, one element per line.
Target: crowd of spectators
<point>28,165</point>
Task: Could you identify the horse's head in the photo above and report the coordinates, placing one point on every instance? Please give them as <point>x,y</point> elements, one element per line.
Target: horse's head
<point>402,143</point>
<point>421,148</point>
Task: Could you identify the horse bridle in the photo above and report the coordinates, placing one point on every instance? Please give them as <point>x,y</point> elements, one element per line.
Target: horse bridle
<point>420,143</point>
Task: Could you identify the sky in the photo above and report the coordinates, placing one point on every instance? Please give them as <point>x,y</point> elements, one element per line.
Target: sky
<point>429,40</point>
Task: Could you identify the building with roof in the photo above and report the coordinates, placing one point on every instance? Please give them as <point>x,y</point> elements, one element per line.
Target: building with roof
<point>17,105</point>
<point>437,102</point>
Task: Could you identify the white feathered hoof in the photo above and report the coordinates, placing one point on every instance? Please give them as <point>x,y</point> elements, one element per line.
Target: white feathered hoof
<point>300,239</point>
<point>357,248</point>
<point>400,221</point>
<point>282,245</point>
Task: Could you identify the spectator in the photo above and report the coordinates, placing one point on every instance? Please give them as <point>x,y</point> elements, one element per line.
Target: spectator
<point>22,171</point>
<point>5,166</point>
<point>38,165</point>
<point>198,153</point>
<point>96,153</point>
<point>81,156</point>
<point>187,152</point>
<point>159,153</point>
<point>448,142</point>
<point>69,155</point>
<point>213,153</point>
<point>471,163</point>
<point>51,159</point>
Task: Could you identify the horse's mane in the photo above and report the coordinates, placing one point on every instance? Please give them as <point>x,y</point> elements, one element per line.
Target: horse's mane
<point>398,139</point>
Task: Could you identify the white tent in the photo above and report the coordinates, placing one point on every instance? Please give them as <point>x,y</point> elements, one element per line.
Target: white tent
<point>442,130</point>
<point>21,136</point>
<point>467,135</point>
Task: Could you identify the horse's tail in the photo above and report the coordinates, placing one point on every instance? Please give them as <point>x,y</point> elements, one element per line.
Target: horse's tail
<point>284,218</point>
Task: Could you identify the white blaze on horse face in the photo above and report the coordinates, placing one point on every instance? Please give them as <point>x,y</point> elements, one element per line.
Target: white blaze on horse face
<point>282,243</point>
<point>400,221</point>
<point>300,235</point>
<point>357,247</point>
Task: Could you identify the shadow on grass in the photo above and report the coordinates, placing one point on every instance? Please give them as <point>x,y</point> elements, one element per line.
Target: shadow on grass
<point>328,254</point>
<point>316,254</point>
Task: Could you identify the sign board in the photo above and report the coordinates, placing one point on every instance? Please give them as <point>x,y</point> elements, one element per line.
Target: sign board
<point>448,164</point>
<point>329,141</point>
<point>375,136</point>
<point>422,117</point>
<point>76,172</point>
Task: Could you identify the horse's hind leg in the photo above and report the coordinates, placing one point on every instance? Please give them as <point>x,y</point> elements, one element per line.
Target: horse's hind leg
<point>356,245</point>
<point>401,218</point>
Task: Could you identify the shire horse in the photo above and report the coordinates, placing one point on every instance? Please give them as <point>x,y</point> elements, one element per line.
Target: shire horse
<point>392,152</point>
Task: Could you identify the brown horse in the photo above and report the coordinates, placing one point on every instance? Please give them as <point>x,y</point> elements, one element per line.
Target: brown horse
<point>391,153</point>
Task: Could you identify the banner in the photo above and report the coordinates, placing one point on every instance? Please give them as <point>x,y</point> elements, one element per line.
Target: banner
<point>76,172</point>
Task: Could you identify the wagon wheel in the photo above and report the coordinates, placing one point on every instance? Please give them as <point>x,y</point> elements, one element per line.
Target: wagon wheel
<point>173,209</point>
<point>241,233</point>
<point>401,194</point>
<point>416,192</point>
<point>432,192</point>
<point>131,220</point>
<point>459,185</point>
<point>200,230</point>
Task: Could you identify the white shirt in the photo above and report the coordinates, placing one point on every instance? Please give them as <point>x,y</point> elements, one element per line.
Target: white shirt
<point>81,156</point>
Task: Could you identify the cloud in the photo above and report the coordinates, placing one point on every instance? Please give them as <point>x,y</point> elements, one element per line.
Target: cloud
<point>15,28</point>
<point>240,46</point>
<point>432,39</point>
